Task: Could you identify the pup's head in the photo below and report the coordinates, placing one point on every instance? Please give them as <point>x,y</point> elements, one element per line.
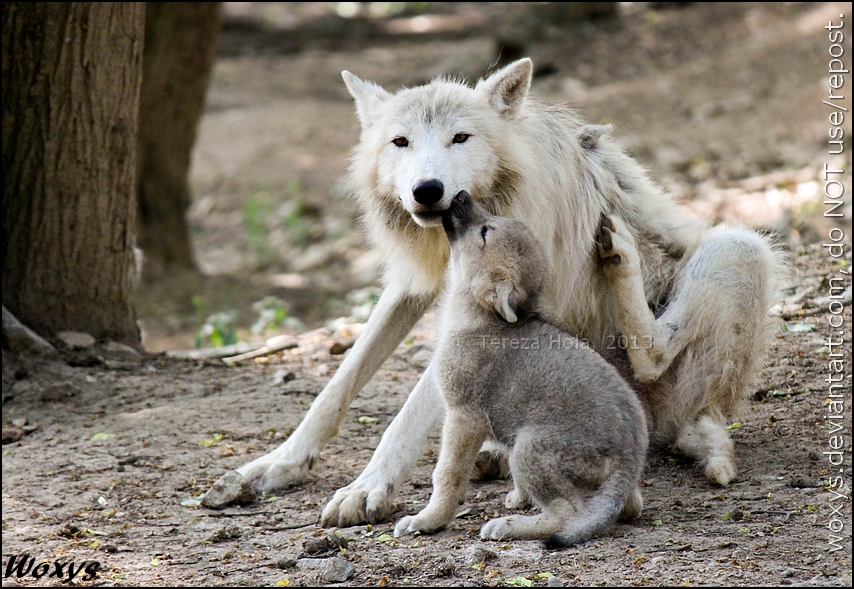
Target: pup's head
<point>423,145</point>
<point>496,260</point>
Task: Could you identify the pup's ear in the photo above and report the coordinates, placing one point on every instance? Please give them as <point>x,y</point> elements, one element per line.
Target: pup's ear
<point>505,301</point>
<point>507,88</point>
<point>366,94</point>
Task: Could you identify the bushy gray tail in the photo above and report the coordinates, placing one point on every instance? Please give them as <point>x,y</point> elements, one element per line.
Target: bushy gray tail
<point>600,513</point>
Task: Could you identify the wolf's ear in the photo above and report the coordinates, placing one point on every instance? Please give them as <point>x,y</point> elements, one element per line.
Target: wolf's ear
<point>366,94</point>
<point>505,301</point>
<point>507,88</point>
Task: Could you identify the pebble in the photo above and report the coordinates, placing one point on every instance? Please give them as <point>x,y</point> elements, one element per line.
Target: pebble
<point>554,582</point>
<point>477,555</point>
<point>59,392</point>
<point>76,340</point>
<point>121,350</point>
<point>231,488</point>
<point>331,570</point>
<point>287,562</point>
<point>330,541</point>
<point>224,534</point>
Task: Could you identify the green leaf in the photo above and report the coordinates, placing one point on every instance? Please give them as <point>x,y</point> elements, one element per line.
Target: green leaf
<point>101,436</point>
<point>518,582</point>
<point>734,425</point>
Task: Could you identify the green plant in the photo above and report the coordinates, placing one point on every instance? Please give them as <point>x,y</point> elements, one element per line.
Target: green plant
<point>272,312</point>
<point>218,330</point>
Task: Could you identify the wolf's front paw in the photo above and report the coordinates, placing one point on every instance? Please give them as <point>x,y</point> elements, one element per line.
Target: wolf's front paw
<point>497,529</point>
<point>616,247</point>
<point>363,500</point>
<point>423,523</point>
<point>721,470</point>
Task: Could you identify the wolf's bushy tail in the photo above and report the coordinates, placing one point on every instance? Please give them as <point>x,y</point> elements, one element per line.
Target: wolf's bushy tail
<point>599,514</point>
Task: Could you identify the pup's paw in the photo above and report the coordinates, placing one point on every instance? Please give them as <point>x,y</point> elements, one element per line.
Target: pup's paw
<point>517,499</point>
<point>490,466</point>
<point>616,246</point>
<point>360,501</point>
<point>422,523</point>
<point>721,470</point>
<point>497,529</point>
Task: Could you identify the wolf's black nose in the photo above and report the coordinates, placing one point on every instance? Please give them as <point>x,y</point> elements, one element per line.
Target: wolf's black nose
<point>428,192</point>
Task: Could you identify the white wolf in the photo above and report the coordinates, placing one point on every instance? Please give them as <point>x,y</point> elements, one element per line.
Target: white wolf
<point>540,164</point>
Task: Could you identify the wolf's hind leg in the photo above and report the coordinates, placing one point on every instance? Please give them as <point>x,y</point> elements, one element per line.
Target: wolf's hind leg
<point>709,442</point>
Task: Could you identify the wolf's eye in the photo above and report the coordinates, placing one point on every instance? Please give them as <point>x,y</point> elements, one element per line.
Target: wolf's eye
<point>400,141</point>
<point>483,233</point>
<point>461,137</point>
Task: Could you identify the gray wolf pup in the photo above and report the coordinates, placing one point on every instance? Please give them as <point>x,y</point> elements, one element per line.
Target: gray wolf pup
<point>575,430</point>
<point>708,289</point>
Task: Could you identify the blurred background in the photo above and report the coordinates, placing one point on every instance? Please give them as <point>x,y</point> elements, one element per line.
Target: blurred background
<point>722,101</point>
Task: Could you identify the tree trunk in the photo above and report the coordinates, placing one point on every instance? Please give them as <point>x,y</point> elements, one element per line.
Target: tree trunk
<point>180,46</point>
<point>72,73</point>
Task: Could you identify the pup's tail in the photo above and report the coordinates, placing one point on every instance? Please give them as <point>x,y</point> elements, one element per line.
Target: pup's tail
<point>601,512</point>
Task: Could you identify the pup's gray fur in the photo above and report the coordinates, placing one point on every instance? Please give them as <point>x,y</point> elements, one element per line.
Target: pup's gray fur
<point>542,165</point>
<point>575,430</point>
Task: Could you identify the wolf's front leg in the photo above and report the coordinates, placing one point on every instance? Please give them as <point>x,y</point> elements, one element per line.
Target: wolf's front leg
<point>396,313</point>
<point>462,436</point>
<point>370,497</point>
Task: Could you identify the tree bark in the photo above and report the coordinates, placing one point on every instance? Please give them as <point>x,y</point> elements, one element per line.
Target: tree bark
<point>180,46</point>
<point>72,73</point>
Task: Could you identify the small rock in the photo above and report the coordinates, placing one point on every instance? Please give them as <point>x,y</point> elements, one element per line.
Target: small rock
<point>554,582</point>
<point>76,340</point>
<point>11,434</point>
<point>69,531</point>
<point>813,456</point>
<point>287,562</point>
<point>478,555</point>
<point>330,541</point>
<point>337,570</point>
<point>121,350</point>
<point>231,488</point>
<point>799,482</point>
<point>340,346</point>
<point>20,422</point>
<point>224,534</point>
<point>59,392</point>
<point>322,370</point>
<point>10,583</point>
<point>446,568</point>
<point>281,377</point>
<point>111,548</point>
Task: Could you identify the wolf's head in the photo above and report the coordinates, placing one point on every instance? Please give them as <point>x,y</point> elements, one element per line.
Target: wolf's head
<point>496,260</point>
<point>426,144</point>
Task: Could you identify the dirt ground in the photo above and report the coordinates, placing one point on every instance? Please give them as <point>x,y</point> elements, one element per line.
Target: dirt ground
<point>722,101</point>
